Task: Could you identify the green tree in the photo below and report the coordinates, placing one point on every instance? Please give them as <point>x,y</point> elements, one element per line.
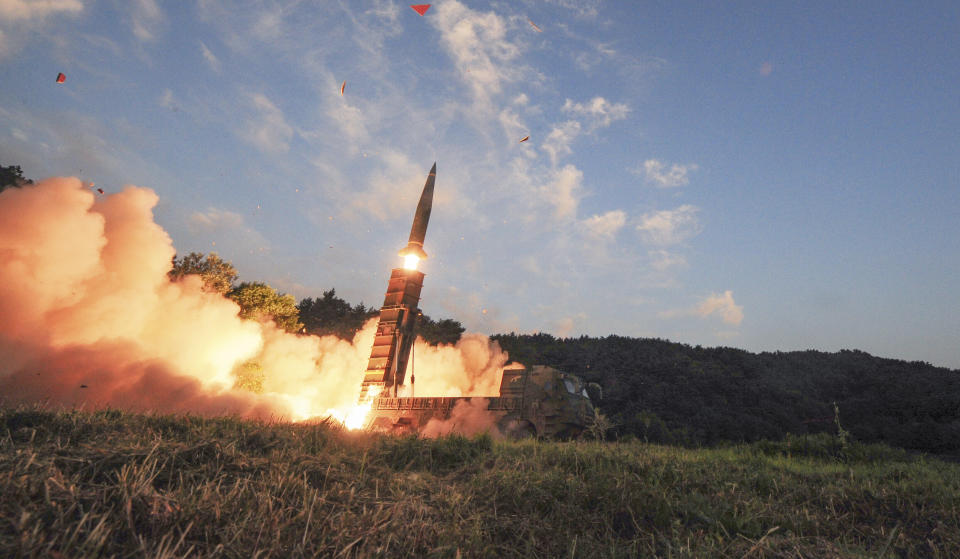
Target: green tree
<point>218,275</point>
<point>443,331</point>
<point>12,176</point>
<point>259,301</point>
<point>331,315</point>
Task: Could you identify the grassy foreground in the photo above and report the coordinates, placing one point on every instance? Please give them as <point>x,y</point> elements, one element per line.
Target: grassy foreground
<point>79,484</point>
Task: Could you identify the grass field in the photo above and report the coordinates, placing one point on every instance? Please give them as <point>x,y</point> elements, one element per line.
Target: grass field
<point>108,483</point>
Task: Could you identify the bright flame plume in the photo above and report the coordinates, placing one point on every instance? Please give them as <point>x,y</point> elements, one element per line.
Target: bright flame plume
<point>91,320</point>
<point>355,417</point>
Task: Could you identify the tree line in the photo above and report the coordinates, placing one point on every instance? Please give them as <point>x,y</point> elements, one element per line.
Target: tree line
<point>320,316</point>
<point>663,391</point>
<point>674,393</point>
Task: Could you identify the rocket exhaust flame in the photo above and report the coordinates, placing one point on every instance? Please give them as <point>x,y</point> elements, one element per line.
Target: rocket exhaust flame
<point>410,261</point>
<point>355,417</point>
<point>90,319</point>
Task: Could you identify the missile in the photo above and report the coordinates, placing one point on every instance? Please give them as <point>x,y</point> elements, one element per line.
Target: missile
<point>418,231</point>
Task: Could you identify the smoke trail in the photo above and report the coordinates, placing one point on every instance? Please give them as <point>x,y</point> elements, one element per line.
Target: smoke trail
<point>89,318</point>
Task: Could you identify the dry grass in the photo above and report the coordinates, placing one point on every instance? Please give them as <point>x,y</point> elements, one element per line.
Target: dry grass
<point>101,484</point>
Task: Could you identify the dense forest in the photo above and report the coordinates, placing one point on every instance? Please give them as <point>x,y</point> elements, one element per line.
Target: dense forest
<point>667,392</point>
<point>674,393</point>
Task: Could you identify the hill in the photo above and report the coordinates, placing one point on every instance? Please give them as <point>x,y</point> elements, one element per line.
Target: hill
<point>667,392</point>
<point>78,484</point>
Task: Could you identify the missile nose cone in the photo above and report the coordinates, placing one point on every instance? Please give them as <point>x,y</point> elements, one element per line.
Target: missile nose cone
<point>420,220</point>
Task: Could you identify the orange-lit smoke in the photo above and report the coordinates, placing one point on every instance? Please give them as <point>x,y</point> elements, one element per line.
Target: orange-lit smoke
<point>468,417</point>
<point>471,367</point>
<point>89,318</point>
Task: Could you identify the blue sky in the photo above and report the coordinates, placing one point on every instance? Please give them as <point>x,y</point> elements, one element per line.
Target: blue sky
<point>768,176</point>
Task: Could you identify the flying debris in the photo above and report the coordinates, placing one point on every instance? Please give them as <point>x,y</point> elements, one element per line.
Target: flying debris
<point>100,190</point>
<point>420,8</point>
<point>524,139</point>
<point>342,87</point>
<point>61,78</point>
<point>83,386</point>
<point>534,25</point>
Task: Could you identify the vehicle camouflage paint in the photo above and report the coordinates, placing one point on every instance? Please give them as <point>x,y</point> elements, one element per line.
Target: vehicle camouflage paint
<point>536,402</point>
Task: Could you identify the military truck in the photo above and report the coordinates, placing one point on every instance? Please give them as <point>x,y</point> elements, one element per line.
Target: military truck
<point>536,402</point>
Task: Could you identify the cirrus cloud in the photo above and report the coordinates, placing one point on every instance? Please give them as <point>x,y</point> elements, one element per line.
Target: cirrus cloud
<point>14,10</point>
<point>269,130</point>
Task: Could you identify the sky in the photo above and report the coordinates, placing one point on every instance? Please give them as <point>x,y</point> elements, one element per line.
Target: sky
<point>766,176</point>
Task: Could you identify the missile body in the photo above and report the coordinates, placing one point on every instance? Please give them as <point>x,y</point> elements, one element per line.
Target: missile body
<point>396,329</point>
<point>420,219</point>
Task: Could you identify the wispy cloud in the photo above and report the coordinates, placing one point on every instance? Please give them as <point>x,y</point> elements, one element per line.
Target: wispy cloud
<point>479,46</point>
<point>211,58</point>
<point>166,99</point>
<point>18,10</point>
<point>670,227</point>
<point>721,305</point>
<point>582,8</point>
<point>563,191</point>
<point>600,112</point>
<point>663,260</point>
<point>145,16</point>
<point>558,141</point>
<point>350,121</point>
<point>658,173</point>
<point>604,226</point>
<point>392,188</point>
<point>20,20</point>
<point>268,129</point>
<point>227,225</point>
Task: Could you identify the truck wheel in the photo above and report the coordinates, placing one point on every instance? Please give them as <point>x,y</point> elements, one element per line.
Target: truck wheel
<point>518,429</point>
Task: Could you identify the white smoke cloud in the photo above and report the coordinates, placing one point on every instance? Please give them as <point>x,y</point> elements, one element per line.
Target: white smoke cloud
<point>91,319</point>
<point>471,367</point>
